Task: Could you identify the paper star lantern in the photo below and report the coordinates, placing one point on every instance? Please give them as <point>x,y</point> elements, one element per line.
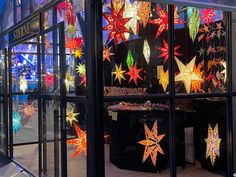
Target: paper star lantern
<point>16,122</point>
<point>71,29</point>
<point>152,143</point>
<point>144,12</point>
<point>207,15</point>
<point>78,53</point>
<point>107,53</point>
<point>165,51</point>
<point>69,81</point>
<point>130,59</point>
<point>213,144</point>
<point>194,23</point>
<point>146,51</point>
<point>49,79</point>
<point>80,142</point>
<point>196,85</point>
<point>131,11</point>
<point>81,69</point>
<point>71,116</point>
<point>83,80</point>
<point>116,25</point>
<point>224,72</point>
<point>79,42</point>
<point>134,74</point>
<point>119,73</point>
<point>23,84</point>
<point>187,75</point>
<point>163,77</point>
<point>117,5</point>
<point>70,44</point>
<point>29,110</point>
<point>162,21</point>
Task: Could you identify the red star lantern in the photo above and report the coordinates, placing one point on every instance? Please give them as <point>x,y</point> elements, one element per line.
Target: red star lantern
<point>134,74</point>
<point>162,21</point>
<point>49,79</point>
<point>69,11</point>
<point>116,25</point>
<point>79,42</point>
<point>80,142</point>
<point>207,15</point>
<point>165,51</point>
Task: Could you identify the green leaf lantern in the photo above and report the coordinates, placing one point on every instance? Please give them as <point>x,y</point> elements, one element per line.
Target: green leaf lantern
<point>194,23</point>
<point>130,59</point>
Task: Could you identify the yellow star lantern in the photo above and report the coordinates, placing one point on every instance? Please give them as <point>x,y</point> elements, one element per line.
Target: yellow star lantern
<point>71,116</point>
<point>146,51</point>
<point>69,81</point>
<point>213,144</point>
<point>119,73</point>
<point>163,77</point>
<point>81,69</point>
<point>23,84</point>
<point>78,53</point>
<point>144,12</point>
<point>152,143</point>
<point>187,75</point>
<point>71,29</point>
<point>131,11</point>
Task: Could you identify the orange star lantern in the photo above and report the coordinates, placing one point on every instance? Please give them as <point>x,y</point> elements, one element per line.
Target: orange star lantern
<point>134,74</point>
<point>197,84</point>
<point>152,143</point>
<point>116,25</point>
<point>80,142</point>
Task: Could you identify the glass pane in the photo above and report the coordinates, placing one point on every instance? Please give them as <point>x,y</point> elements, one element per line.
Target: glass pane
<point>202,67</point>
<point>201,146</point>
<point>135,54</point>
<point>137,139</point>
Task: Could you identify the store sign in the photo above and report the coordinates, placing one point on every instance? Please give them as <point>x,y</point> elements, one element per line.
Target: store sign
<point>27,29</point>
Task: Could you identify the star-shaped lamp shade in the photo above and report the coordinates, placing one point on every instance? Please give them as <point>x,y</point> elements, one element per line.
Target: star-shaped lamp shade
<point>49,79</point>
<point>107,53</point>
<point>80,142</point>
<point>165,51</point>
<point>152,143</point>
<point>187,74</point>
<point>71,116</point>
<point>81,69</point>
<point>23,84</point>
<point>69,81</point>
<point>134,74</point>
<point>116,25</point>
<point>213,144</point>
<point>119,73</point>
<point>144,12</point>
<point>29,110</point>
<point>78,53</point>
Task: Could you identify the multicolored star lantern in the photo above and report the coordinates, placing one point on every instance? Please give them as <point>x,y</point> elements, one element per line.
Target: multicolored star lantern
<point>29,110</point>
<point>49,79</point>
<point>80,141</point>
<point>107,53</point>
<point>16,122</point>
<point>162,21</point>
<point>152,143</point>
<point>130,59</point>
<point>144,12</point>
<point>207,15</point>
<point>213,144</point>
<point>194,23</point>
<point>134,74</point>
<point>165,51</point>
<point>163,77</point>
<point>71,116</point>
<point>187,74</point>
<point>81,69</point>
<point>78,53</point>
<point>119,73</point>
<point>23,84</point>
<point>69,81</point>
<point>116,25</point>
<point>131,11</point>
<point>146,51</point>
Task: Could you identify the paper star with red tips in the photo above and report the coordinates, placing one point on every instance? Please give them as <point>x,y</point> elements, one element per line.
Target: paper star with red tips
<point>116,25</point>
<point>134,74</point>
<point>207,15</point>
<point>165,51</point>
<point>107,53</point>
<point>80,141</point>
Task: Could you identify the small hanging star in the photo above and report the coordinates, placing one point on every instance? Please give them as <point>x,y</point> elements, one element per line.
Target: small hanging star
<point>119,73</point>
<point>70,44</point>
<point>107,53</point>
<point>29,110</point>
<point>134,74</point>
<point>78,53</point>
<point>81,69</point>
<point>49,79</point>
<point>69,81</point>
<point>201,52</point>
<point>71,116</point>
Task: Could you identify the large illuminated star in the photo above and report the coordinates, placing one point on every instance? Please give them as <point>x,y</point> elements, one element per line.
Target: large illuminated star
<point>29,110</point>
<point>119,73</point>
<point>213,144</point>
<point>23,84</point>
<point>187,75</point>
<point>131,11</point>
<point>134,74</point>
<point>80,142</point>
<point>164,77</point>
<point>71,116</point>
<point>152,143</point>
<point>165,51</point>
<point>107,53</point>
<point>144,12</point>
<point>116,25</point>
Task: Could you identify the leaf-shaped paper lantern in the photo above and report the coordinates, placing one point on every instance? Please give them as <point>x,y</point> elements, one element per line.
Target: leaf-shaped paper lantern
<point>146,51</point>
<point>130,59</point>
<point>194,23</point>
